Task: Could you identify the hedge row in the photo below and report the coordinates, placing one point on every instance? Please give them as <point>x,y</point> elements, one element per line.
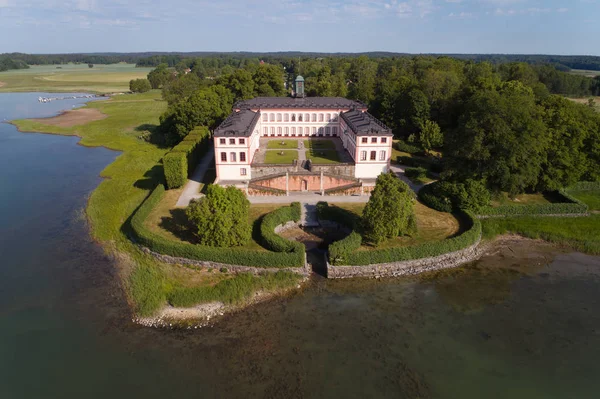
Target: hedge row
<point>426,195</point>
<point>406,147</point>
<point>183,158</point>
<point>426,250</point>
<point>232,256</point>
<point>274,241</point>
<point>432,164</point>
<point>571,205</point>
<point>585,186</point>
<point>418,172</point>
<point>339,251</point>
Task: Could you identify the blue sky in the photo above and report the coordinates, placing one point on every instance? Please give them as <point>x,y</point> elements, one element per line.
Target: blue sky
<point>413,26</point>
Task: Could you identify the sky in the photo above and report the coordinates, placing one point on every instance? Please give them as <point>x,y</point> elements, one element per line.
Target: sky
<point>408,26</point>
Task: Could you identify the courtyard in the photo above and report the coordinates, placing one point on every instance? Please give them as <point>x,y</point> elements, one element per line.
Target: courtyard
<point>280,151</point>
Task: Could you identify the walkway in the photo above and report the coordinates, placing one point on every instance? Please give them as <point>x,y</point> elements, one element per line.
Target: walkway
<point>309,216</point>
<point>191,190</point>
<point>308,198</point>
<point>399,171</point>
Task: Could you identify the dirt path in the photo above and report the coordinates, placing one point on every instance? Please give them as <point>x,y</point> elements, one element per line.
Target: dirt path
<point>2,84</point>
<point>73,117</point>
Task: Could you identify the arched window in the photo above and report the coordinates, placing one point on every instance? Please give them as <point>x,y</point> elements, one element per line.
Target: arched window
<point>265,117</point>
<point>286,117</point>
<point>232,156</point>
<point>299,117</point>
<point>265,131</point>
<point>327,117</point>
<point>294,131</point>
<point>293,117</point>
<point>306,131</point>
<point>307,117</point>
<point>334,117</point>
<point>272,131</point>
<point>279,118</point>
<point>321,118</point>
<point>314,132</point>
<point>279,131</point>
<point>314,117</point>
<point>327,131</point>
<point>286,130</point>
<point>272,117</point>
<point>320,131</point>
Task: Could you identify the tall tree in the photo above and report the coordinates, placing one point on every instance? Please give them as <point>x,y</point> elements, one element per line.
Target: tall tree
<point>389,212</point>
<point>159,76</point>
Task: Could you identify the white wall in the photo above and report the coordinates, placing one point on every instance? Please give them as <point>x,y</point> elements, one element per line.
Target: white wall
<point>232,172</point>
<point>370,171</point>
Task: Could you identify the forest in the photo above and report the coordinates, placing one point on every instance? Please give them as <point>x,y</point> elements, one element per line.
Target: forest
<point>506,126</point>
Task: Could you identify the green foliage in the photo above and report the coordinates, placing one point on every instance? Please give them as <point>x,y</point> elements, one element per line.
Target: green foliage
<point>416,173</point>
<point>7,64</point>
<point>389,209</point>
<point>446,196</point>
<point>401,145</point>
<point>180,89</point>
<point>221,217</point>
<point>205,107</point>
<point>431,136</point>
<point>139,85</point>
<point>232,290</point>
<point>159,76</point>
<point>183,158</point>
<point>274,241</point>
<point>232,256</point>
<point>175,166</point>
<point>571,205</point>
<point>339,251</point>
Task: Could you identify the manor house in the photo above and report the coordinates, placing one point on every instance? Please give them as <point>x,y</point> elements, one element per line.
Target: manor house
<point>345,143</point>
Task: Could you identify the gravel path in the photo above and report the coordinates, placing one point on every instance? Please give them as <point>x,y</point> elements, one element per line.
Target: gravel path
<point>192,187</point>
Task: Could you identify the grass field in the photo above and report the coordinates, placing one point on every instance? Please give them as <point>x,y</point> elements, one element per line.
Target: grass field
<point>319,144</point>
<point>281,157</point>
<point>590,197</point>
<point>584,72</point>
<point>323,156</point>
<point>128,182</point>
<point>72,78</point>
<point>522,199</point>
<point>282,144</point>
<point>585,100</point>
<point>431,226</point>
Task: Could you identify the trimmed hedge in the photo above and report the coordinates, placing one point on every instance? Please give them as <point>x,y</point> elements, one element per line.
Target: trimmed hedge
<point>176,169</point>
<point>232,256</point>
<point>426,250</point>
<point>406,147</point>
<point>416,173</point>
<point>571,205</point>
<point>340,250</point>
<point>191,149</point>
<point>428,197</point>
<point>432,164</point>
<point>274,241</point>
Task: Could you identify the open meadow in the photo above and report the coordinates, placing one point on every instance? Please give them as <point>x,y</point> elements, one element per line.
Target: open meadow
<point>72,78</point>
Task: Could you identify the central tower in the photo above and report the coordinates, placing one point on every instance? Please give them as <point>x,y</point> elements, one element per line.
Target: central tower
<point>300,86</point>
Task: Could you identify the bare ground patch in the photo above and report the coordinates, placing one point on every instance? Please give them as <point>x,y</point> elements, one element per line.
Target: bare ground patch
<point>2,84</point>
<point>73,117</point>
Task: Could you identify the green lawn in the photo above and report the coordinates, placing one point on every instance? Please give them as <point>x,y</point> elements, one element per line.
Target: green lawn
<point>431,226</point>
<point>281,156</point>
<point>323,156</point>
<point>72,78</point>
<point>590,197</point>
<point>282,144</point>
<point>523,199</point>
<point>319,144</point>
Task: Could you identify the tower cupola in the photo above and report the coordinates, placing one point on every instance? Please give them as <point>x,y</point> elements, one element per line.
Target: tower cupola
<point>299,86</point>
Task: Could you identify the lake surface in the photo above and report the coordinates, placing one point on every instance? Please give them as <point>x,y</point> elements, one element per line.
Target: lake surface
<point>523,323</point>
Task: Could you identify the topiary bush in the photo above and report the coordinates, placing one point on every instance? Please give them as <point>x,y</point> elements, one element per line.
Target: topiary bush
<point>193,146</point>
<point>270,221</point>
<point>176,169</point>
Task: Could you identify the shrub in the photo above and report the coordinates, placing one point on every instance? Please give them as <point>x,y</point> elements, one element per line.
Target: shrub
<point>223,270</point>
<point>416,173</point>
<point>231,256</point>
<point>446,196</point>
<point>221,217</point>
<point>340,250</point>
<point>274,241</point>
<point>176,167</point>
<point>139,85</point>
<point>406,147</point>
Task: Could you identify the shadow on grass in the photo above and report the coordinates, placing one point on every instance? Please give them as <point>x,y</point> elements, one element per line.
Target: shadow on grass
<point>151,178</point>
<point>152,134</point>
<point>178,225</point>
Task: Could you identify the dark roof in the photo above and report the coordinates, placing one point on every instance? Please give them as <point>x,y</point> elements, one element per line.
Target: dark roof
<point>306,102</point>
<point>238,124</point>
<point>364,124</point>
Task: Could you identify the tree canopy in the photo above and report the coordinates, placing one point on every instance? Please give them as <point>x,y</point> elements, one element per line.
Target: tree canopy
<point>389,212</point>
<point>220,218</point>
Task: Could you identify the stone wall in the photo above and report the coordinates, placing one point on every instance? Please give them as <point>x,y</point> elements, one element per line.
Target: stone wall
<point>335,169</point>
<point>409,267</point>
<point>304,271</point>
<point>303,182</point>
<point>262,170</point>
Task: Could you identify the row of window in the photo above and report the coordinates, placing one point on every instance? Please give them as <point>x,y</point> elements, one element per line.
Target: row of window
<point>272,117</point>
<point>374,140</point>
<point>299,131</point>
<point>232,157</point>
<point>373,156</point>
<point>232,141</point>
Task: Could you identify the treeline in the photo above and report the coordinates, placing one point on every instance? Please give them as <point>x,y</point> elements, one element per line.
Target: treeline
<point>7,63</point>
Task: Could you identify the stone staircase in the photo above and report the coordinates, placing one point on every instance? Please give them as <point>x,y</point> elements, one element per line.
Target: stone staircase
<point>309,216</point>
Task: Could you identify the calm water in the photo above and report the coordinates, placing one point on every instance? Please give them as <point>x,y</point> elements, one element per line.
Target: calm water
<point>524,323</point>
